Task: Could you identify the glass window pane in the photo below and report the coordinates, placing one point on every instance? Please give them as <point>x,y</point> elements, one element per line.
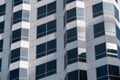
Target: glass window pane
<point>41,30</point>
<point>102,71</point>
<point>2,9</point>
<point>99,30</point>
<point>98,9</point>
<point>51,8</point>
<point>73,75</point>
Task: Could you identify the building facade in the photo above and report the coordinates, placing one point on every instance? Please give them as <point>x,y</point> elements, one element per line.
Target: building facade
<point>59,40</point>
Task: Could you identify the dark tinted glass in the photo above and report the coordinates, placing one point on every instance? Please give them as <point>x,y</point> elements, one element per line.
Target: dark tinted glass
<point>72,35</point>
<point>41,12</point>
<point>100,50</point>
<point>51,8</point>
<point>102,71</point>
<point>17,2</point>
<point>73,75</point>
<point>113,70</point>
<point>51,46</point>
<point>51,67</point>
<point>51,27</point>
<point>99,29</point>
<point>69,1</point>
<point>117,32</point>
<point>116,13</point>
<point>72,56</point>
<point>46,69</point>
<point>40,69</point>
<point>46,29</point>
<point>83,75</point>
<point>46,48</point>
<point>114,78</point>
<point>15,55</point>
<point>16,35</point>
<point>2,9</point>
<point>0,64</point>
<point>1,45</point>
<point>17,17</point>
<point>41,30</point>
<point>2,27</point>
<point>41,50</point>
<point>14,74</point>
<point>71,15</point>
<point>98,9</point>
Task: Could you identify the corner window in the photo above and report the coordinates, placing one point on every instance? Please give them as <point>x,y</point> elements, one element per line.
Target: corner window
<point>20,34</point>
<point>73,56</point>
<point>22,15</point>
<point>19,73</point>
<point>106,72</point>
<point>18,2</point>
<point>77,75</point>
<point>19,54</point>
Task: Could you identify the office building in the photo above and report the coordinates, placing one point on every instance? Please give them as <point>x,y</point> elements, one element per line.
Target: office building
<point>59,40</point>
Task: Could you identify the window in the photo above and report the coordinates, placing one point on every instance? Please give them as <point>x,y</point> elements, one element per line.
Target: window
<point>108,71</point>
<point>69,1</point>
<point>118,32</point>
<point>112,50</point>
<point>19,54</point>
<point>20,34</point>
<point>99,30</point>
<point>73,56</point>
<point>2,27</point>
<point>39,0</point>
<point>46,48</point>
<point>46,29</point>
<point>77,75</point>
<point>0,64</point>
<point>73,75</point>
<point>46,69</point>
<point>102,73</point>
<point>74,13</point>
<point>118,51</point>
<point>46,10</point>
<point>14,74</point>
<point>97,9</point>
<point>71,15</point>
<point>17,2</point>
<point>22,15</point>
<point>1,45</point>
<point>2,9</point>
<point>116,13</point>
<point>71,35</point>
<point>15,55</point>
<point>19,73</point>
<point>100,50</point>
